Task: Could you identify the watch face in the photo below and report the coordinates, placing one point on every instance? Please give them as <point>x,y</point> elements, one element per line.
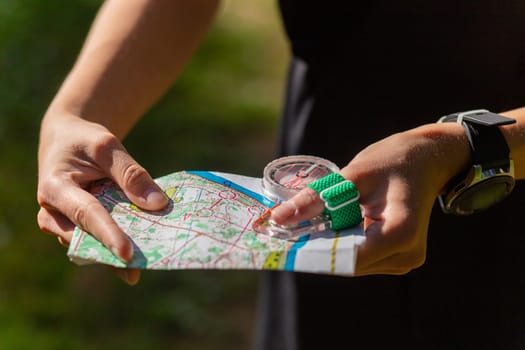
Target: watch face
<point>482,195</point>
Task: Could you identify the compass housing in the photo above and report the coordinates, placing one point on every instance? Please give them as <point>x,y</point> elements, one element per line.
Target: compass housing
<point>284,177</point>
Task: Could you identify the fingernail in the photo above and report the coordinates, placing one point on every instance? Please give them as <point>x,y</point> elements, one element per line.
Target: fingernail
<point>116,252</point>
<point>123,256</point>
<point>277,212</point>
<point>156,199</point>
<point>283,212</point>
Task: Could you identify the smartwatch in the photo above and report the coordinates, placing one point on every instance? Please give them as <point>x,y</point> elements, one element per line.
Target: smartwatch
<point>490,177</point>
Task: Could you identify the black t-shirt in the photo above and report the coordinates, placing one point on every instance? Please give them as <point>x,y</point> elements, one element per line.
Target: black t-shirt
<point>360,72</point>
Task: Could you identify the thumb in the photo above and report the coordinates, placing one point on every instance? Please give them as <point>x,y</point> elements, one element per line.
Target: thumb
<point>136,182</point>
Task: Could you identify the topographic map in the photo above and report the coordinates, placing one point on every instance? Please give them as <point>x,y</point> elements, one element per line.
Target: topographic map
<point>208,225</point>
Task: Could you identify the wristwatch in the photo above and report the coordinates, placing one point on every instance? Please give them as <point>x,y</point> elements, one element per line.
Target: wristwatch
<point>490,178</point>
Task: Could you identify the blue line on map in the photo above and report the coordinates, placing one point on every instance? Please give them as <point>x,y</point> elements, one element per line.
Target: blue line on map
<point>218,179</point>
<point>292,253</point>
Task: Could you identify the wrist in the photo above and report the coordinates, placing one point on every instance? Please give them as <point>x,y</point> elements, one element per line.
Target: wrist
<point>490,177</point>
<point>447,148</point>
<point>59,120</point>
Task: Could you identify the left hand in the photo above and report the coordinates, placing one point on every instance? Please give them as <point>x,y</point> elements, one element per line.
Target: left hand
<point>398,179</point>
<point>74,153</point>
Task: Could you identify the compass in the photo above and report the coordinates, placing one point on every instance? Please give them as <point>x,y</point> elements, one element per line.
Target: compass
<point>284,177</point>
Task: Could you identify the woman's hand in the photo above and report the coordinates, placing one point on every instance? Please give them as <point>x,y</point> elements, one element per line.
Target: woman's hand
<point>73,153</point>
<point>398,179</point>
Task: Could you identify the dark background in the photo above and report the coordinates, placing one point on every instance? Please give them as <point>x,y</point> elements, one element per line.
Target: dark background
<point>221,115</point>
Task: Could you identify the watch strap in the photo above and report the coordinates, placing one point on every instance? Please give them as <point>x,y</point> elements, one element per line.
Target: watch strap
<point>479,117</point>
<point>487,144</point>
<point>490,178</point>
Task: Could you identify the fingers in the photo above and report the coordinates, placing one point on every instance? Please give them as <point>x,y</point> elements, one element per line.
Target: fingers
<point>69,164</point>
<point>55,223</point>
<point>133,179</point>
<point>65,203</point>
<point>84,210</point>
<point>63,242</point>
<point>130,276</point>
<point>397,264</point>
<point>303,206</point>
<point>390,249</point>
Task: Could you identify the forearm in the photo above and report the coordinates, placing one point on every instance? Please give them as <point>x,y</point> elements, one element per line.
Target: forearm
<point>134,52</point>
<point>447,146</point>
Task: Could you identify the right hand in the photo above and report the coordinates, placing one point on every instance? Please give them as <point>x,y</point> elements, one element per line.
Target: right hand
<point>399,178</point>
<point>73,153</point>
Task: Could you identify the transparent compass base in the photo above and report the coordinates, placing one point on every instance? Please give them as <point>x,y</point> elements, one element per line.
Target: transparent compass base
<point>266,226</point>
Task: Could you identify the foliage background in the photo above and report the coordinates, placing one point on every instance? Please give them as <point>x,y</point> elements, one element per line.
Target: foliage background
<point>221,115</point>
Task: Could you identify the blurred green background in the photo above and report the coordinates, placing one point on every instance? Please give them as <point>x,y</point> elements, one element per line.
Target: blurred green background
<point>221,115</point>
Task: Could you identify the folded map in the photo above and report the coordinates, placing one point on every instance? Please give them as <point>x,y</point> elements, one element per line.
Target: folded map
<point>208,225</point>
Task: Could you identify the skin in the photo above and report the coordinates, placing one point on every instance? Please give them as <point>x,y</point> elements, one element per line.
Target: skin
<point>134,52</point>
<point>399,179</point>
